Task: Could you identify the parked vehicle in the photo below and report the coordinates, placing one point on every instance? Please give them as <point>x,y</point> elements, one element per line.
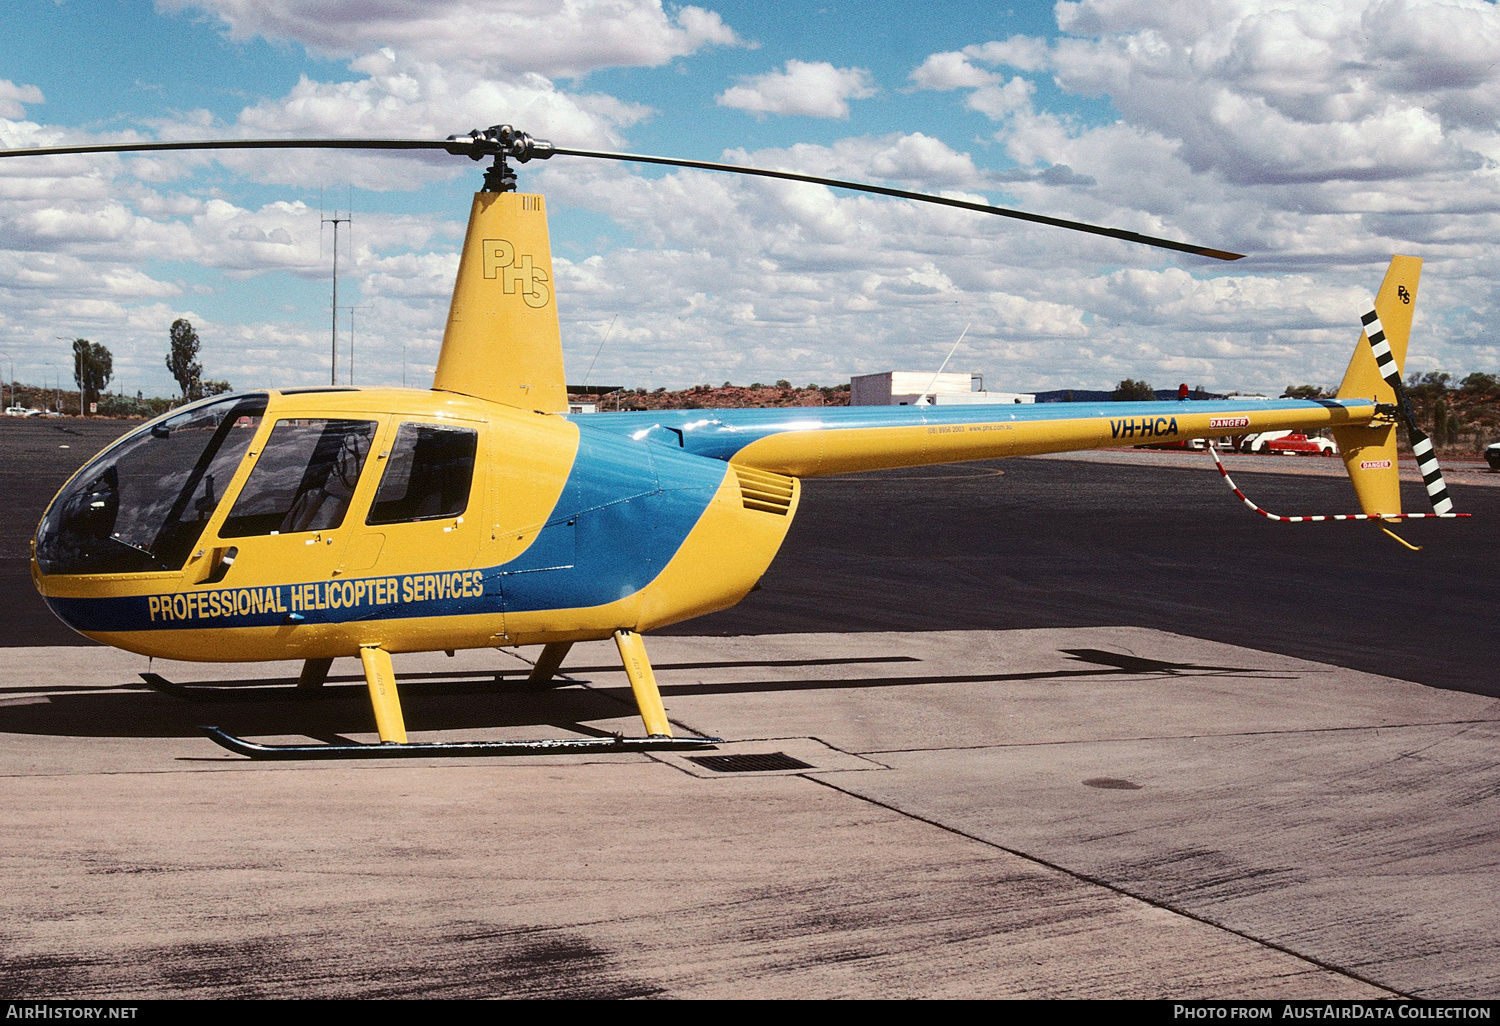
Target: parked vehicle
<point>1192,444</point>
<point>1257,442</point>
<point>1296,443</point>
<point>21,411</point>
<point>1492,455</point>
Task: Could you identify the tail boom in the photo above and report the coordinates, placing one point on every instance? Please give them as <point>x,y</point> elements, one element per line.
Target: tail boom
<point>813,442</point>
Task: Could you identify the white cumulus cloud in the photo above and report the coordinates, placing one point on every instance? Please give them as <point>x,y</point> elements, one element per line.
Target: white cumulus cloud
<point>950,70</point>
<point>12,98</point>
<point>813,89</point>
<point>1260,92</point>
<point>505,37</point>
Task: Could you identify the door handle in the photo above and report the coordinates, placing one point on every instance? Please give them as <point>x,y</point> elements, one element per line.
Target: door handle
<point>223,559</point>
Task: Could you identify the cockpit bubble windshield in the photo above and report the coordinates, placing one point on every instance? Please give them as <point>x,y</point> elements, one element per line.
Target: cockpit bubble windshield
<point>141,505</point>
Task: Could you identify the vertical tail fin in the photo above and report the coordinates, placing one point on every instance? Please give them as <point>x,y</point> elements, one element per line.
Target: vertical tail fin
<point>502,342</point>
<point>1369,452</point>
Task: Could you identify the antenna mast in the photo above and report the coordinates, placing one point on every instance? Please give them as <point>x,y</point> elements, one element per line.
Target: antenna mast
<point>333,352</point>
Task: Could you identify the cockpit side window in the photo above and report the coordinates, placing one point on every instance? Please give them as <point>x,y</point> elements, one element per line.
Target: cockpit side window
<point>303,480</point>
<point>428,475</point>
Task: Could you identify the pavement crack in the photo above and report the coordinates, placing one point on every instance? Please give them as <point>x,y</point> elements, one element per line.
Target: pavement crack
<point>1442,740</point>
<point>1116,889</point>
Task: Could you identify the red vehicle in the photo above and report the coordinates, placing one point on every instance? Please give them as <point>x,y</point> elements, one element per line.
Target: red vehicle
<point>1296,443</point>
<point>1194,444</point>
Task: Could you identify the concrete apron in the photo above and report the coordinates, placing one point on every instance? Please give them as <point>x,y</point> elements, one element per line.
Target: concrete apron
<point>1106,812</point>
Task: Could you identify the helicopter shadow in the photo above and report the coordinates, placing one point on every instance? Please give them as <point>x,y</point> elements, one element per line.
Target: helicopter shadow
<point>336,709</point>
<point>486,700</point>
<point>243,689</point>
<point>1102,663</point>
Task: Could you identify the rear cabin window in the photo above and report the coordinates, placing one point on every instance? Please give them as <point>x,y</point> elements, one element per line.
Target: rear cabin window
<point>427,476</point>
<point>304,479</point>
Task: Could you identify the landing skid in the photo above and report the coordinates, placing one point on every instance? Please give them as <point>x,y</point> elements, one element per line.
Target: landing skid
<point>436,749</point>
<point>380,680</point>
<point>156,682</point>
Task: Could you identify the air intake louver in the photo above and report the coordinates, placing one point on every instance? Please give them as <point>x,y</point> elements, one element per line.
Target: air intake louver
<point>765,491</point>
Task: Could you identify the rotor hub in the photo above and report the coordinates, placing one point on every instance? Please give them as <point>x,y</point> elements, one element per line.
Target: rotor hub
<point>500,142</point>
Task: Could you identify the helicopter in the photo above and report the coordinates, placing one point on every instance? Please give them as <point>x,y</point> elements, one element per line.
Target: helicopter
<point>320,523</point>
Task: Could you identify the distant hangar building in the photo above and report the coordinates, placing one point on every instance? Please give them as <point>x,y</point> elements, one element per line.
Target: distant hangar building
<point>904,388</point>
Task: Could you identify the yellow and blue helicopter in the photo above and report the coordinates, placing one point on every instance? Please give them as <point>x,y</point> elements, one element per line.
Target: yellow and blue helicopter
<point>316,523</point>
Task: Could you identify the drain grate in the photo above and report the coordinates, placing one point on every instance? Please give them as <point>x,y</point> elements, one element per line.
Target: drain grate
<point>749,763</point>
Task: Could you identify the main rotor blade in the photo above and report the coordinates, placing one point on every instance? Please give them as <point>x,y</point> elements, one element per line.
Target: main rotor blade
<point>239,144</point>
<point>504,141</point>
<point>1020,215</point>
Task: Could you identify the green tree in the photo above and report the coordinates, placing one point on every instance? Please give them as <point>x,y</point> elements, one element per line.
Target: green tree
<point>93,366</point>
<point>1304,392</point>
<point>1428,386</point>
<point>213,387</point>
<point>1480,383</point>
<point>1131,390</point>
<point>1446,424</point>
<point>182,360</point>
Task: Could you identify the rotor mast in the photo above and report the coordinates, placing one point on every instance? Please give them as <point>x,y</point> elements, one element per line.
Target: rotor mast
<point>502,342</point>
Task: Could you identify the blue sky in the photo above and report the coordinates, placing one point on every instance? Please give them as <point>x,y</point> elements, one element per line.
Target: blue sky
<point>1317,137</point>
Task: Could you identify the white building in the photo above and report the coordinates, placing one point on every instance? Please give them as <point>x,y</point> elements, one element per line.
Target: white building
<point>904,388</point>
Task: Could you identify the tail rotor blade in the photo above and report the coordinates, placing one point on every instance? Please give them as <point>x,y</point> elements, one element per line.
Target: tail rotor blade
<point>1432,474</point>
<point>1421,445</point>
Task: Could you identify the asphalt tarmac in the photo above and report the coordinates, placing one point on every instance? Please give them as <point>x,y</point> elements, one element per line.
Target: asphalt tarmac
<point>1039,728</point>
